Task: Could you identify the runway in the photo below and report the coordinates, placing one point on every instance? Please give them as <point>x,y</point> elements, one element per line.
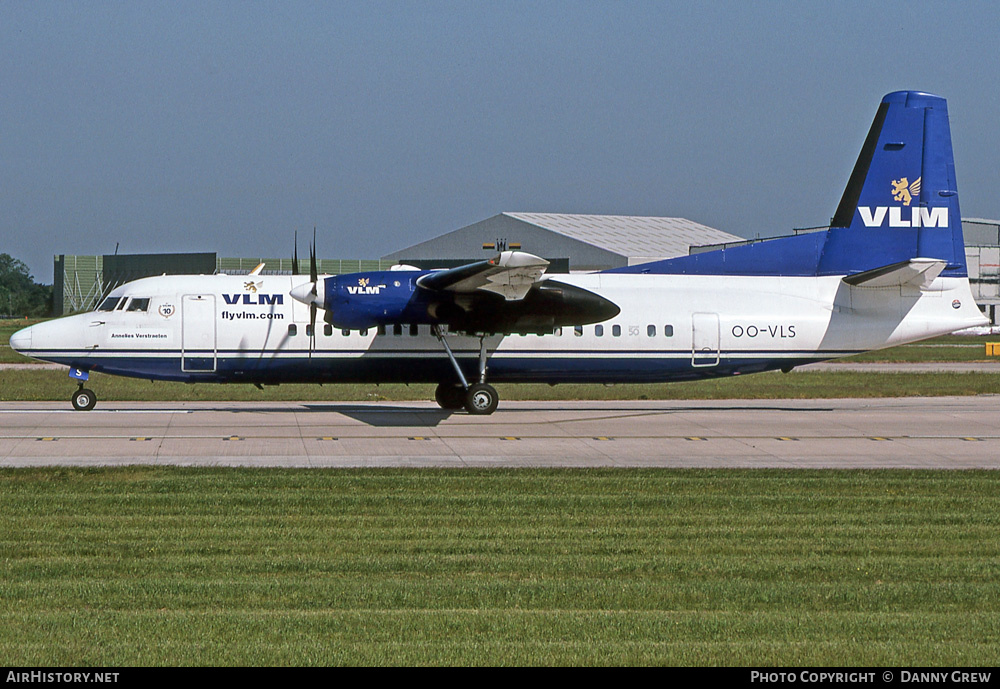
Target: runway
<point>940,432</point>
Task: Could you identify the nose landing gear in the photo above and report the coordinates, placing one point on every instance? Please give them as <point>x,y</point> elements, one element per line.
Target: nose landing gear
<point>84,399</point>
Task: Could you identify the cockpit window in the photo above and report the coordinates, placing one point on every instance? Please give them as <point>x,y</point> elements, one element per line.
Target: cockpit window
<point>138,304</point>
<point>110,303</point>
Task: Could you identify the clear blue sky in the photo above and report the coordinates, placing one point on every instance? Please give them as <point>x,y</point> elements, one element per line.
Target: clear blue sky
<point>226,126</point>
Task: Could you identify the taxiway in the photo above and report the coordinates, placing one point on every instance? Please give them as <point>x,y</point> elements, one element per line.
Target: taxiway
<point>940,432</point>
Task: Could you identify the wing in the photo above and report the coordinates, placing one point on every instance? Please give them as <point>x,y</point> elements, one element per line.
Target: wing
<point>511,275</point>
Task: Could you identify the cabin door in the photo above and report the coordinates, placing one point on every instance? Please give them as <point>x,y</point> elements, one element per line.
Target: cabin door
<point>198,350</point>
<point>705,339</point>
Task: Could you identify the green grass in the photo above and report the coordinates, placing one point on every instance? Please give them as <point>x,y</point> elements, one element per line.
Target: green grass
<point>945,348</point>
<point>154,565</point>
<point>21,385</point>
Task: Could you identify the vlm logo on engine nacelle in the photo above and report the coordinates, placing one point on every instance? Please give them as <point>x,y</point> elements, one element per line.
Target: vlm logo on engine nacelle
<point>364,288</point>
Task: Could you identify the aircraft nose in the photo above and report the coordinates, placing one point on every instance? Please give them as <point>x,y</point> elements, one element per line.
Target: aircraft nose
<point>21,340</point>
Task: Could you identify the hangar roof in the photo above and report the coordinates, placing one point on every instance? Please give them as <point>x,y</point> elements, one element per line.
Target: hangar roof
<point>588,242</point>
<point>630,235</point>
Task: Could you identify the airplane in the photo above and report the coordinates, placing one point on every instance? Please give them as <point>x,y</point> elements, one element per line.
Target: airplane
<point>889,270</point>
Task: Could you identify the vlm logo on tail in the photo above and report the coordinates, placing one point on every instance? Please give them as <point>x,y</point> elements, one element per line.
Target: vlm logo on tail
<point>905,191</point>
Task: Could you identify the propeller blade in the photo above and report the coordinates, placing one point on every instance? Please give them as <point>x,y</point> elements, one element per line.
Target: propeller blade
<point>312,328</point>
<point>295,256</point>
<point>313,273</point>
<point>314,278</point>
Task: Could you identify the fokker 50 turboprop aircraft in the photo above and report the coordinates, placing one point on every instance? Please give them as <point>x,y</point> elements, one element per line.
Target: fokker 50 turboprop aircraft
<point>890,270</point>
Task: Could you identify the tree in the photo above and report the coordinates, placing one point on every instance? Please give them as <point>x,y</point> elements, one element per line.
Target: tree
<point>20,295</point>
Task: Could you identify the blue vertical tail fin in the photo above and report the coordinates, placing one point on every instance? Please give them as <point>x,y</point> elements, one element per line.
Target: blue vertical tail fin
<point>900,203</point>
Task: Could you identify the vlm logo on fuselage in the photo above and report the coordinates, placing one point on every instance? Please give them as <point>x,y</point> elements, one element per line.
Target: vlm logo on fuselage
<point>920,216</point>
<point>251,299</point>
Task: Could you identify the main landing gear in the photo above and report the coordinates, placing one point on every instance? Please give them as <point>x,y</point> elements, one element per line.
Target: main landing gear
<point>84,399</point>
<point>479,398</point>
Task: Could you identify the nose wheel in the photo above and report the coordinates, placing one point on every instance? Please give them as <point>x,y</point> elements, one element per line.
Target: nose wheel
<point>84,399</point>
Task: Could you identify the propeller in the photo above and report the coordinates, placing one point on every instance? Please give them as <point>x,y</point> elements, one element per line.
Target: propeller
<point>309,292</point>
<point>295,256</point>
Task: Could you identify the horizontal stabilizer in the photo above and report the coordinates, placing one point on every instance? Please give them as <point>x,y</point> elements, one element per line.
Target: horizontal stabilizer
<point>510,275</point>
<point>919,272</point>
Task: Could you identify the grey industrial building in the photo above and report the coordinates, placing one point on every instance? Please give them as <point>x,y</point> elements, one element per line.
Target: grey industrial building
<point>982,254</point>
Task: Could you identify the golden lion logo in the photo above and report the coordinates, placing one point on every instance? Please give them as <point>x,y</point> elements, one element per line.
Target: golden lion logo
<point>252,286</point>
<point>363,282</point>
<point>903,191</point>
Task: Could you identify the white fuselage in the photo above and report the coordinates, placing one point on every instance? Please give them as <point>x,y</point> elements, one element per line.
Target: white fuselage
<point>671,327</point>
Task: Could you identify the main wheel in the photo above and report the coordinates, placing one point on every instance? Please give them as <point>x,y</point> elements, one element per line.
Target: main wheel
<point>450,396</point>
<point>84,399</point>
<point>481,399</point>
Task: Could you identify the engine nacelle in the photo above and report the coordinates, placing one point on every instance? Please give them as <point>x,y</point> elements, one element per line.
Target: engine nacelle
<point>364,300</point>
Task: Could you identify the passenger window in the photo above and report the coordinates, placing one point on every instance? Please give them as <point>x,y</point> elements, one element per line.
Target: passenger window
<point>381,330</point>
<point>309,331</point>
<point>293,330</point>
<point>578,330</point>
<point>414,331</point>
<point>651,330</point>
<point>328,330</point>
<point>345,332</point>
<point>616,330</point>
<point>363,332</point>
<point>599,330</point>
<point>668,331</point>
<point>138,304</point>
<point>397,329</point>
<point>557,332</point>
